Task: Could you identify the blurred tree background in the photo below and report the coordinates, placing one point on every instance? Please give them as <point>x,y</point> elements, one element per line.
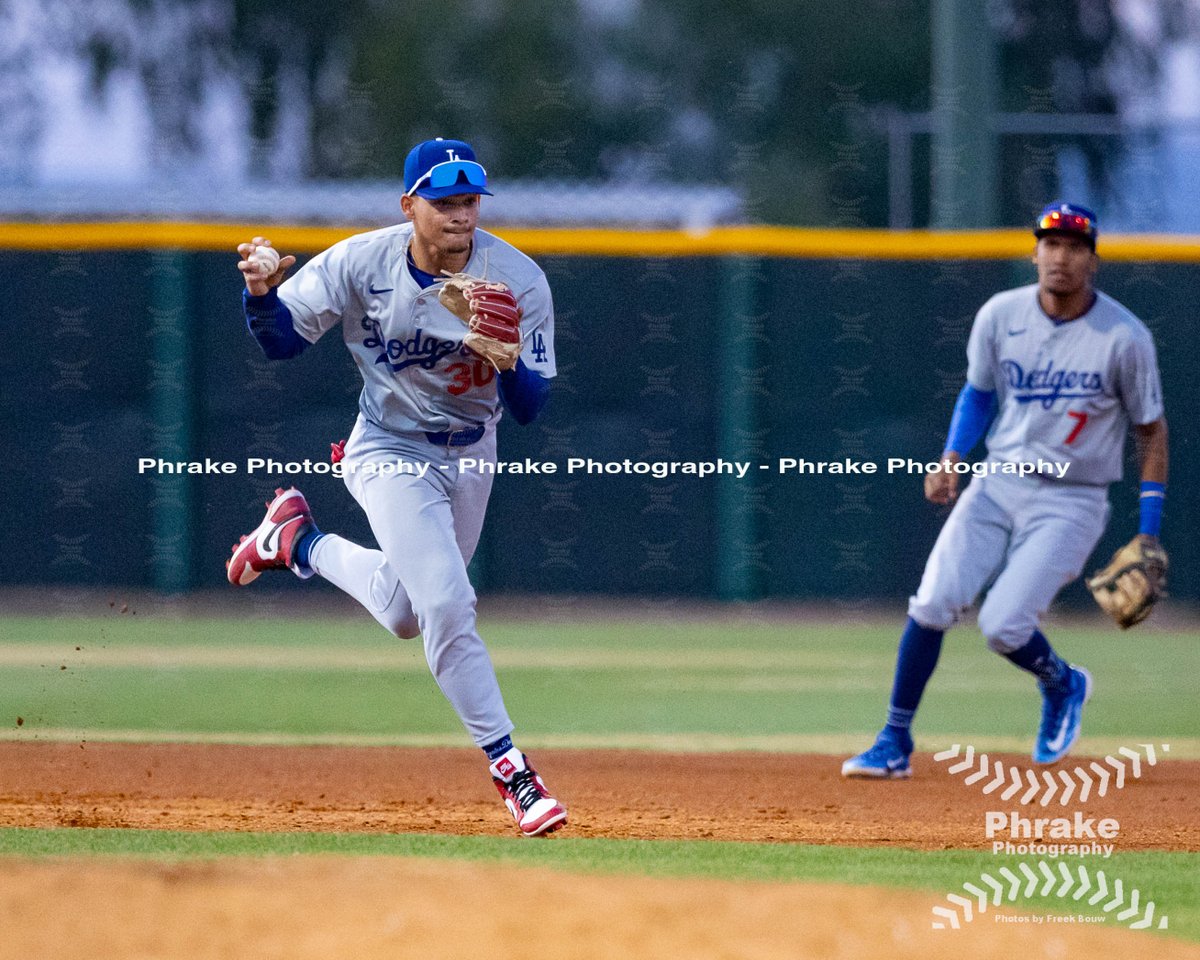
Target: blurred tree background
<point>782,98</point>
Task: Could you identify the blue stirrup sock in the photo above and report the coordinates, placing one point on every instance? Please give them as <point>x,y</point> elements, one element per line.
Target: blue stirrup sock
<point>1039,658</point>
<point>305,546</point>
<point>918,656</point>
<point>498,748</point>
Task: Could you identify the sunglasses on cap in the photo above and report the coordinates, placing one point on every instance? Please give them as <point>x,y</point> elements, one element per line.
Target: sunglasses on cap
<point>1069,222</point>
<point>446,174</point>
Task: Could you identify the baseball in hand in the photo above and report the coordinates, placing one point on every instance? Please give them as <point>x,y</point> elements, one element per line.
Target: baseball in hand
<point>265,260</point>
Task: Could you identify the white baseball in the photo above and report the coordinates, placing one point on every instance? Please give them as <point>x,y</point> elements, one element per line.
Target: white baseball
<point>265,260</point>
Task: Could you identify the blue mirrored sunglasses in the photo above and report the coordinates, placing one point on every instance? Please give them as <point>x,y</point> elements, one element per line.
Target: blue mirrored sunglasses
<point>446,174</point>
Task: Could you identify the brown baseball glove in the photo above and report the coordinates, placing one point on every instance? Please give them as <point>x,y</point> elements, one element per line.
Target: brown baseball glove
<point>492,316</point>
<point>1134,580</point>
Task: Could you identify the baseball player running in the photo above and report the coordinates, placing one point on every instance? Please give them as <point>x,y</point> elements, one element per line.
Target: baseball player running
<point>401,296</point>
<point>1059,370</point>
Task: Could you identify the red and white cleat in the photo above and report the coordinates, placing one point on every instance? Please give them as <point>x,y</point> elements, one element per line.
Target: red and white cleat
<point>272,544</point>
<point>536,812</point>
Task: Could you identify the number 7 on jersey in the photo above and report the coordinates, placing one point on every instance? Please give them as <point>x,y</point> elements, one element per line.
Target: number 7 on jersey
<point>1080,418</point>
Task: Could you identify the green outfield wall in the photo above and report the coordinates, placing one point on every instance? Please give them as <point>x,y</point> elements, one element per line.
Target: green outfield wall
<point>748,344</point>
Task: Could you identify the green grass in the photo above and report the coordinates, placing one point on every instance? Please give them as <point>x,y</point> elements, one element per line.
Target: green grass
<point>686,685</point>
<point>1170,879</point>
<point>692,684</point>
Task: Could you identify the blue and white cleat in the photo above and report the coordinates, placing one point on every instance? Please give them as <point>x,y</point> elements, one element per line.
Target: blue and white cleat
<point>1062,715</point>
<point>886,760</point>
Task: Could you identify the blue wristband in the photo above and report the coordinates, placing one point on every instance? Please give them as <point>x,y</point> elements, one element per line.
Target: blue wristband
<point>1150,505</point>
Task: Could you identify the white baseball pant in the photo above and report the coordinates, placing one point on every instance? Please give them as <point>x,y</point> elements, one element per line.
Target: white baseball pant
<point>1026,536</point>
<point>427,528</point>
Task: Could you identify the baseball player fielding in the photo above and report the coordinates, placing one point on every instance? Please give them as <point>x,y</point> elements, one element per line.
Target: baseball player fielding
<point>448,325</point>
<point>1056,371</point>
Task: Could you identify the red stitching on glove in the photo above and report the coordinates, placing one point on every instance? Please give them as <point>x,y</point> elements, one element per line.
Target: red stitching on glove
<point>337,451</point>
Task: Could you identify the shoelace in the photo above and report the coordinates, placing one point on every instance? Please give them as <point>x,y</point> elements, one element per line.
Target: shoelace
<point>525,789</point>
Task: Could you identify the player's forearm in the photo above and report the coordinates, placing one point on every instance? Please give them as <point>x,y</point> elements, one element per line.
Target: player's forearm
<point>1152,452</point>
<point>270,322</point>
<point>972,414</point>
<point>524,392</point>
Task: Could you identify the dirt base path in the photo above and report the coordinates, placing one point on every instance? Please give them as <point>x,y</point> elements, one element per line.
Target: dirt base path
<point>617,794</point>
<point>314,908</point>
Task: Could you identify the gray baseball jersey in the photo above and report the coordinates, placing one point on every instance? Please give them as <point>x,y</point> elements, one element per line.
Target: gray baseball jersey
<point>1067,390</point>
<point>417,375</point>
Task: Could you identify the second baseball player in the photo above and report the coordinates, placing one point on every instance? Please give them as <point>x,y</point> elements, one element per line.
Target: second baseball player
<point>1060,371</point>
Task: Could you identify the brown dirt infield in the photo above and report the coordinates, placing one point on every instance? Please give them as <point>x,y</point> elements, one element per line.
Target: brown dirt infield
<point>616,794</point>
<point>305,908</point>
<point>317,908</point>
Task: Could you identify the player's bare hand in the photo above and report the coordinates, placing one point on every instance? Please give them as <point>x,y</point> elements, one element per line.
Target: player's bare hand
<point>262,266</point>
<point>942,487</point>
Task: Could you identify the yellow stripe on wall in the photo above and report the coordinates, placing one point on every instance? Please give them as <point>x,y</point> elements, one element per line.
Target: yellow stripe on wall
<point>760,241</point>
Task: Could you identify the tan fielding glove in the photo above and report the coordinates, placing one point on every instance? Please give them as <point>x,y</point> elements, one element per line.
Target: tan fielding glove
<point>492,316</point>
<point>1134,580</point>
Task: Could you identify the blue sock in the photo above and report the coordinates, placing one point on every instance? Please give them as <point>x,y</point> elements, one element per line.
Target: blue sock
<point>919,650</point>
<point>498,749</point>
<point>306,544</point>
<point>1039,658</point>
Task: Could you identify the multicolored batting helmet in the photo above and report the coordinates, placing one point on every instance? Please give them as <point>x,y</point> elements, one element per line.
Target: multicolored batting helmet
<point>1068,218</point>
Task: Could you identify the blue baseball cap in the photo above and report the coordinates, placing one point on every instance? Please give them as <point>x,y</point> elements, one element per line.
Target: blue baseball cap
<point>443,168</point>
<point>1069,218</point>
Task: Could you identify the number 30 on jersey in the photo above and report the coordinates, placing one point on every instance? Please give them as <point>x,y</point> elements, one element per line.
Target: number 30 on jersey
<point>464,376</point>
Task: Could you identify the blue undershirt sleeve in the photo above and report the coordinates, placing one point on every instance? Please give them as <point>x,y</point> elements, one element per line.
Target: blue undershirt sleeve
<point>973,413</point>
<point>270,322</point>
<point>524,392</point>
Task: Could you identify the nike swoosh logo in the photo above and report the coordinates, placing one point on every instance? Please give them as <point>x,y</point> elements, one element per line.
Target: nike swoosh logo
<point>1014,333</point>
<point>895,764</point>
<point>371,287</point>
<point>268,541</point>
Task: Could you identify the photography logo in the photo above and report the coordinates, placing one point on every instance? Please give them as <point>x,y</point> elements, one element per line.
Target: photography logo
<point>1075,784</point>
<point>1063,842</point>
